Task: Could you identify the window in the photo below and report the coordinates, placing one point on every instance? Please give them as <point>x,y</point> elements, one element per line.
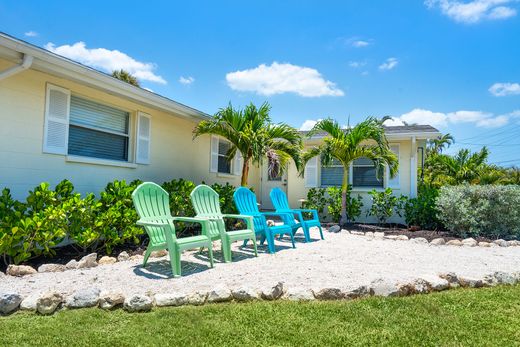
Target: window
<point>364,174</point>
<point>224,165</point>
<point>97,130</point>
<point>332,175</point>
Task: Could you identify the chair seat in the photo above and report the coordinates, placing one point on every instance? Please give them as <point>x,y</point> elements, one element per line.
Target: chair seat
<point>240,234</point>
<point>280,229</point>
<point>196,240</point>
<point>313,223</point>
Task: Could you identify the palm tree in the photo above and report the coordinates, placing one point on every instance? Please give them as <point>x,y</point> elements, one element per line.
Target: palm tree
<point>251,133</point>
<point>463,167</point>
<point>436,146</point>
<point>125,76</point>
<point>365,140</point>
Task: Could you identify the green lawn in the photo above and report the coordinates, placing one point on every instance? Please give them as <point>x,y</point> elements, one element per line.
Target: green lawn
<point>488,316</point>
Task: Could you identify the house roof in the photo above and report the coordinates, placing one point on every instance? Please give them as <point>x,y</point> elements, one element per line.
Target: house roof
<point>418,130</point>
<point>14,49</point>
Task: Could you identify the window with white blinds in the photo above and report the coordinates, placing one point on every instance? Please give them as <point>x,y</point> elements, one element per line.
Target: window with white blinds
<point>97,130</point>
<point>332,175</point>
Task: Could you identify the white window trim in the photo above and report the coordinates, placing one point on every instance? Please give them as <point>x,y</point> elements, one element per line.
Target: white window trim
<point>136,160</point>
<point>387,169</point>
<point>47,117</point>
<point>359,188</point>
<point>237,160</point>
<point>96,161</point>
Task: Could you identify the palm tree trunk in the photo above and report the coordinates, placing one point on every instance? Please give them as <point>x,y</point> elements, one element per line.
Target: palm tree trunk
<point>344,188</point>
<point>245,172</point>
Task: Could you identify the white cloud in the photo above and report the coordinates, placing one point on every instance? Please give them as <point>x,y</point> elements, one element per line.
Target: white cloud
<point>31,33</point>
<point>357,64</point>
<point>282,78</point>
<point>107,60</point>
<point>473,11</point>
<point>389,64</point>
<point>186,80</point>
<point>360,43</point>
<point>308,124</point>
<point>503,89</point>
<point>439,119</point>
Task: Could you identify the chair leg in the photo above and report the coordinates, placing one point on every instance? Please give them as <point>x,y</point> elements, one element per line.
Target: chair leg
<point>262,239</point>
<point>306,233</point>
<point>291,234</point>
<point>245,243</point>
<point>175,262</point>
<point>210,254</point>
<point>146,256</point>
<point>321,232</point>
<point>270,243</point>
<point>226,250</point>
<point>254,246</point>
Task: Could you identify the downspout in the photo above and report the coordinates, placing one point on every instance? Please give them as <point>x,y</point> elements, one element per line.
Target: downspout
<point>24,65</point>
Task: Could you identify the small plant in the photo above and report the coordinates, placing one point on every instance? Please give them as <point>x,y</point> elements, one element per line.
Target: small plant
<point>385,205</point>
<point>421,211</point>
<point>330,199</point>
<point>316,200</point>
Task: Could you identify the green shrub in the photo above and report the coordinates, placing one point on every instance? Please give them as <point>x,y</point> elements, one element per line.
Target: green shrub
<point>488,210</point>
<point>422,211</point>
<point>330,198</point>
<point>179,191</point>
<point>385,204</point>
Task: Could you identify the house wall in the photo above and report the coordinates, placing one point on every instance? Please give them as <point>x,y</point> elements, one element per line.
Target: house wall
<point>296,189</point>
<point>23,165</point>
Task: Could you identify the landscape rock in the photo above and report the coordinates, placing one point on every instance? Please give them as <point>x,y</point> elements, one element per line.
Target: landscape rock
<point>359,292</point>
<point>470,282</point>
<point>402,238</point>
<point>197,298</point>
<point>20,270</point>
<point>454,243</point>
<point>419,240</point>
<point>438,241</point>
<point>136,257</point>
<point>381,287</point>
<point>391,237</point>
<point>138,303</point>
<point>357,232</point>
<point>9,302</point>
<point>436,283</point>
<point>334,229</point>
<point>484,244</point>
<point>106,260</point>
<point>274,292</point>
<point>452,279</point>
<point>49,302</point>
<point>469,242</point>
<point>344,231</point>
<point>420,286</point>
<point>123,256</point>
<point>245,293</point>
<point>52,268</point>
<point>159,254</point>
<point>379,235</point>
<point>71,265</point>
<point>2,275</point>
<point>110,300</point>
<point>88,297</point>
<point>29,303</point>
<point>88,261</point>
<point>369,234</point>
<point>177,299</point>
<point>299,294</point>
<point>504,278</point>
<point>501,243</point>
<point>220,293</point>
<point>329,294</point>
<point>513,243</point>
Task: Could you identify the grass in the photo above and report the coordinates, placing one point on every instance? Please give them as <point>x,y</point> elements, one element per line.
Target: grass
<point>489,316</point>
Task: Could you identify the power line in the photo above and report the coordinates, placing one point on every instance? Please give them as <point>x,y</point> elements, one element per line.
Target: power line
<point>506,161</point>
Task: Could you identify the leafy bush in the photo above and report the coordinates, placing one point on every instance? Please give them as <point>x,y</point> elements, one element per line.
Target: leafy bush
<point>180,190</point>
<point>422,211</point>
<point>489,210</point>
<point>319,198</point>
<point>385,204</point>
<point>225,193</point>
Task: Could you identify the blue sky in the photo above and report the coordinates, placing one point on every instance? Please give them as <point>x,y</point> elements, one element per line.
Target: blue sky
<point>452,64</point>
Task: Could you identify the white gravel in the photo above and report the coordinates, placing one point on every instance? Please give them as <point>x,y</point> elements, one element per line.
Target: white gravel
<point>341,260</point>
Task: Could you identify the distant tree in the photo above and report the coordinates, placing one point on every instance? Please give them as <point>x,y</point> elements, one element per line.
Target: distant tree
<point>125,76</point>
<point>436,146</point>
<point>463,167</point>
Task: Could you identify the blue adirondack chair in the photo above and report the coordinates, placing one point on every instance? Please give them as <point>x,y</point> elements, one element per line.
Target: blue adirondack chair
<point>281,205</point>
<point>245,201</point>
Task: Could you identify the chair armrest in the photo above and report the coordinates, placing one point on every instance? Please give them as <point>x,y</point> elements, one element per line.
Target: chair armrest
<point>279,214</point>
<point>248,219</point>
<point>314,212</point>
<point>154,222</point>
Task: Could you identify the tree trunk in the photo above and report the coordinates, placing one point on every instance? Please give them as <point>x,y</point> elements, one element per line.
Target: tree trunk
<point>245,172</point>
<point>344,187</point>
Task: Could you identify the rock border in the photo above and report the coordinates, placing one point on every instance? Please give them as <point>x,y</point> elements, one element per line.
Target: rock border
<point>51,302</point>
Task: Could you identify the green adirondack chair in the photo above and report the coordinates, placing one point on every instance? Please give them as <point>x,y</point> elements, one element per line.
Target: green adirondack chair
<point>153,207</point>
<point>207,206</point>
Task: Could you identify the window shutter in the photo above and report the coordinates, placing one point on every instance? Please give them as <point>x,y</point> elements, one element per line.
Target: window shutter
<point>213,165</point>
<point>237,164</point>
<point>393,182</point>
<point>144,129</point>
<point>56,128</point>
<point>311,173</point>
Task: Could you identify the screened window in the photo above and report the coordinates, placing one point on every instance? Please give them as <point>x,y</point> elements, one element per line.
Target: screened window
<point>224,165</point>
<point>97,130</point>
<point>332,175</point>
<point>364,174</point>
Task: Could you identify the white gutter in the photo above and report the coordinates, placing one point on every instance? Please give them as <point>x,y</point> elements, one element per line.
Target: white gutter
<point>24,65</point>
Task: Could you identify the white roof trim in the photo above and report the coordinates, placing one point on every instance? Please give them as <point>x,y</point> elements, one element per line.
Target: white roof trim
<point>45,61</point>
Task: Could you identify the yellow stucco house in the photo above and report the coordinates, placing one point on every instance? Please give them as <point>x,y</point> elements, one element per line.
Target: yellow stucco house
<point>61,119</point>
